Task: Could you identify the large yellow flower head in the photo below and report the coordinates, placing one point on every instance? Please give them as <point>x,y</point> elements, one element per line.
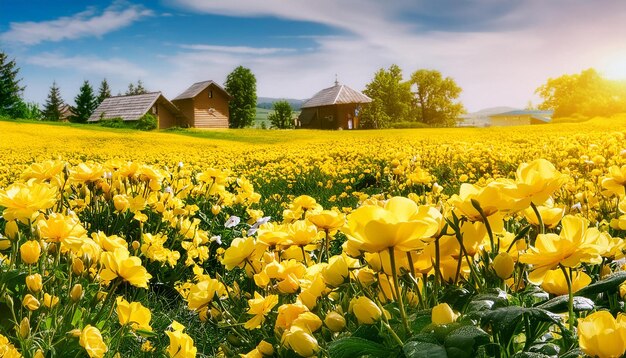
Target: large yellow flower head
<point>575,244</point>
<point>133,314</point>
<point>22,201</point>
<point>119,263</point>
<point>327,220</point>
<point>400,224</point>
<point>91,340</point>
<point>615,181</point>
<point>66,230</point>
<point>537,181</point>
<point>259,306</point>
<point>181,344</point>
<point>203,292</point>
<point>492,199</point>
<point>87,172</point>
<point>48,171</point>
<point>601,335</point>
<point>242,250</point>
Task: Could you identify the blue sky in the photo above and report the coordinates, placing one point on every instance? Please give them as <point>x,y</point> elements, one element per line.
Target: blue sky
<point>497,51</point>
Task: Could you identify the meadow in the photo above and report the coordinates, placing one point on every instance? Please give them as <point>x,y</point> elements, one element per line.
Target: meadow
<point>457,242</point>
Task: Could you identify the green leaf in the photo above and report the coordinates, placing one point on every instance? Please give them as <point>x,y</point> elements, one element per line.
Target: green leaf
<point>464,341</point>
<point>416,349</point>
<point>549,349</point>
<point>419,322</point>
<point>610,284</point>
<point>530,355</point>
<point>505,320</point>
<point>559,304</point>
<point>356,347</point>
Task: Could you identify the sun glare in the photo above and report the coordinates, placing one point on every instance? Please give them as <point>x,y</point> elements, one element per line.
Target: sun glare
<point>615,67</point>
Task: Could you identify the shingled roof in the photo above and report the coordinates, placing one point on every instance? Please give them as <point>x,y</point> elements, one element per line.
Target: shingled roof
<point>198,87</point>
<point>130,108</point>
<point>338,94</point>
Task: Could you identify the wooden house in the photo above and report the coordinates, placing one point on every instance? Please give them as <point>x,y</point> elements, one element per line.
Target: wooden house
<point>66,111</point>
<point>205,105</point>
<point>131,108</point>
<point>520,118</point>
<point>335,107</point>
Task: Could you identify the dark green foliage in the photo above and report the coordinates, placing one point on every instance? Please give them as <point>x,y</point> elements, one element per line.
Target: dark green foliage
<point>86,103</point>
<point>11,103</point>
<point>147,122</point>
<point>104,91</point>
<point>116,122</point>
<point>241,84</point>
<point>435,98</point>
<point>391,99</point>
<point>136,89</point>
<point>282,116</point>
<point>52,108</point>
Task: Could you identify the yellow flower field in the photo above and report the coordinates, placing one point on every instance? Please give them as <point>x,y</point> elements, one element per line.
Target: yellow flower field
<point>404,243</point>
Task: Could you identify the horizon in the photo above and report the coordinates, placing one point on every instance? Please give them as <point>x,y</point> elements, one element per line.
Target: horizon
<point>498,53</point>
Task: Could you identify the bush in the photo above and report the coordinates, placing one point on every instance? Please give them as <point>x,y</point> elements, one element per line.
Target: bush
<point>406,124</point>
<point>116,122</point>
<point>147,122</point>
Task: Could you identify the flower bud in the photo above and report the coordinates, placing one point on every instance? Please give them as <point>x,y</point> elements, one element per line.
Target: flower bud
<point>336,272</point>
<point>365,310</point>
<point>49,300</point>
<point>29,252</point>
<point>76,293</point>
<point>77,266</point>
<point>11,230</point>
<point>265,348</point>
<point>34,283</point>
<point>215,209</point>
<point>335,321</point>
<point>39,354</point>
<point>443,314</point>
<point>136,245</point>
<point>24,328</point>
<point>31,302</point>
<point>503,265</point>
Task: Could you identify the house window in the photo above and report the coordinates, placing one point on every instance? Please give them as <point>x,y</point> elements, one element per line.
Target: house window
<point>210,94</point>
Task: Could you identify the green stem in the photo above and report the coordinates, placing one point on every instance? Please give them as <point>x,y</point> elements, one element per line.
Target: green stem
<point>392,259</point>
<point>542,228</point>
<point>570,302</point>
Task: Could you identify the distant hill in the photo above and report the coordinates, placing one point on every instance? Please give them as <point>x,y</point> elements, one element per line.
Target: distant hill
<point>481,118</point>
<point>267,102</point>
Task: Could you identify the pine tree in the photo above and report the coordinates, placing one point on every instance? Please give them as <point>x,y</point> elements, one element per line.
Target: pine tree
<point>104,91</point>
<point>52,109</point>
<point>10,90</point>
<point>136,89</point>
<point>86,103</point>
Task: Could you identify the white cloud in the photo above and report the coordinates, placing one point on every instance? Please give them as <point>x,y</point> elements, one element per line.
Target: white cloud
<point>243,50</point>
<point>112,67</point>
<point>84,24</point>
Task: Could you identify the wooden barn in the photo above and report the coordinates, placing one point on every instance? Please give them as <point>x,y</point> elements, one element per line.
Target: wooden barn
<point>520,118</point>
<point>131,108</point>
<point>205,105</point>
<point>335,107</point>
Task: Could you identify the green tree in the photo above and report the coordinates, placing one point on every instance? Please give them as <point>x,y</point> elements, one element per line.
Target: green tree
<point>391,99</point>
<point>435,98</point>
<point>136,89</point>
<point>104,91</point>
<point>86,103</point>
<point>585,94</point>
<point>282,115</point>
<point>241,84</point>
<point>10,89</point>
<point>52,108</point>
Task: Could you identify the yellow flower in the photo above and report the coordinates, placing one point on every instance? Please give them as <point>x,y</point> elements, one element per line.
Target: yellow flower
<point>7,349</point>
<point>109,243</point>
<point>259,306</point>
<point>288,313</point>
<point>365,310</point>
<point>575,244</point>
<point>301,233</point>
<point>181,345</point>
<point>87,172</point>
<point>91,340</point>
<point>400,224</point>
<point>300,341</point>
<point>242,251</point>
<point>537,181</point>
<point>31,302</point>
<point>34,283</point>
<point>11,230</point>
<point>121,203</point>
<point>265,348</point>
<point>550,216</point>
<point>443,314</point>
<point>615,182</point>
<point>503,265</point>
<point>66,230</point>
<point>133,314</point>
<point>335,321</point>
<point>492,199</point>
<point>336,272</point>
<point>327,220</point>
<point>601,335</point>
<point>119,263</point>
<point>554,282</point>
<point>49,300</point>
<point>76,293</point>
<point>22,201</point>
<point>30,251</point>
<point>203,292</point>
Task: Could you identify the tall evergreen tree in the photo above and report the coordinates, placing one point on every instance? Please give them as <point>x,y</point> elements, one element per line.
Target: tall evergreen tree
<point>52,109</point>
<point>10,89</point>
<point>241,84</point>
<point>86,103</point>
<point>104,91</point>
<point>136,89</point>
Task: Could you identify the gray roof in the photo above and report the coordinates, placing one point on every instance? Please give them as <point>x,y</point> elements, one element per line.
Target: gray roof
<point>544,116</point>
<point>338,94</point>
<point>198,87</point>
<point>129,108</point>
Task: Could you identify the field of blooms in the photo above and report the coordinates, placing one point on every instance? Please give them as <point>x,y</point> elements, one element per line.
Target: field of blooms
<point>505,242</point>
